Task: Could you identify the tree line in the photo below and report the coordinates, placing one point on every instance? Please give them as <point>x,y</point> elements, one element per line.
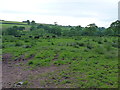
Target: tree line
<point>89,30</point>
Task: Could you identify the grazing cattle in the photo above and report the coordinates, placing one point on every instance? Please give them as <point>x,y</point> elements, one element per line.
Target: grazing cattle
<point>47,36</point>
<point>30,36</point>
<point>36,37</point>
<point>53,36</point>
<point>17,36</point>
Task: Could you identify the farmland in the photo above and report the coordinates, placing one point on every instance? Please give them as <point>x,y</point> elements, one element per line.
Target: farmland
<point>7,24</point>
<point>53,60</point>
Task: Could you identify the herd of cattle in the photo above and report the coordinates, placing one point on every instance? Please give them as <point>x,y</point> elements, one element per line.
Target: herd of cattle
<point>37,36</point>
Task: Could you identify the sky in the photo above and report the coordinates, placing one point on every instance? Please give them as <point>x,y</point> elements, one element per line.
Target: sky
<point>64,12</point>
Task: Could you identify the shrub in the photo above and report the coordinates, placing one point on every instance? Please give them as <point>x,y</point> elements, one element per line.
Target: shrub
<point>52,43</point>
<point>27,41</point>
<point>27,46</point>
<point>86,50</point>
<point>89,46</point>
<point>110,56</point>
<point>81,44</point>
<point>59,62</point>
<point>30,63</point>
<point>108,46</point>
<point>115,45</point>
<point>100,42</point>
<point>105,40</point>
<point>76,46</point>
<point>33,43</point>
<point>100,50</point>
<point>18,43</point>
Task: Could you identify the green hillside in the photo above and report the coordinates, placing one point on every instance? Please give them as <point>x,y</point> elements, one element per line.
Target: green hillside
<point>54,56</point>
<point>8,24</point>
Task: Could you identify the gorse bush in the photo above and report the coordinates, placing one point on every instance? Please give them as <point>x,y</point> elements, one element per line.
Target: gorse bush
<point>59,62</point>
<point>90,46</point>
<point>108,46</point>
<point>100,50</point>
<point>18,43</point>
<point>30,63</point>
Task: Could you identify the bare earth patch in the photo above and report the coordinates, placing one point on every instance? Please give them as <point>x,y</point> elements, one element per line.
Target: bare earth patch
<point>14,71</point>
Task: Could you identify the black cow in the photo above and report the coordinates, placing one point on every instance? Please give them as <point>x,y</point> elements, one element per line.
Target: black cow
<point>53,36</point>
<point>17,36</point>
<point>36,37</point>
<point>47,36</point>
<point>30,36</point>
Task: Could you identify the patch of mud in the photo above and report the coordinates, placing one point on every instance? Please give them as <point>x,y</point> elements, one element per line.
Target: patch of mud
<point>14,71</point>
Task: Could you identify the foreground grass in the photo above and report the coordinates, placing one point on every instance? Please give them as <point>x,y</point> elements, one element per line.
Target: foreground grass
<point>92,61</point>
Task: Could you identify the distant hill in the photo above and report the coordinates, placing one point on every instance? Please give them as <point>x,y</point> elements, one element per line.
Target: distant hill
<point>7,24</point>
<point>13,22</point>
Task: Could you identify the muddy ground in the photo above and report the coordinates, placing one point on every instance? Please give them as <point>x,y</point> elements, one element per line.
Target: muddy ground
<point>14,71</point>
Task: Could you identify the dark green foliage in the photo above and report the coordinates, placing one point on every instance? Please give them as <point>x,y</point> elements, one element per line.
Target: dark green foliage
<point>30,62</point>
<point>28,22</point>
<point>33,22</point>
<point>21,28</point>
<point>115,26</point>
<point>115,45</point>
<point>55,30</point>
<point>15,30</point>
<point>105,40</point>
<point>89,30</point>
<point>114,29</point>
<point>33,28</point>
<point>81,44</point>
<point>11,31</point>
<point>18,28</point>
<point>18,43</point>
<point>90,46</point>
<point>100,42</point>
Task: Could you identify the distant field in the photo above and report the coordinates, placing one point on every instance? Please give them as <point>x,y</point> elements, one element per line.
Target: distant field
<point>7,24</point>
<point>12,22</point>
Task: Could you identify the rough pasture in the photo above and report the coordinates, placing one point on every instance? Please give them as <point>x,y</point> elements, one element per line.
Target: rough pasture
<point>72,62</point>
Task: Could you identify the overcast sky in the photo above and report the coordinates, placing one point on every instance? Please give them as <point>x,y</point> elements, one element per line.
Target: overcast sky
<point>65,12</point>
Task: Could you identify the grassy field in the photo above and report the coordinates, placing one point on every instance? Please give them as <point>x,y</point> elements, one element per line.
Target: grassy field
<point>53,61</point>
<point>8,24</point>
<point>91,62</point>
<point>11,22</point>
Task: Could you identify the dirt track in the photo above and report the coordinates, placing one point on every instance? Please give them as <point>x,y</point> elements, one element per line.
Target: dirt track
<point>15,71</point>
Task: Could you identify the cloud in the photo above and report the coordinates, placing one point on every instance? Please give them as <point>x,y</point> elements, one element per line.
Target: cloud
<point>66,12</point>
